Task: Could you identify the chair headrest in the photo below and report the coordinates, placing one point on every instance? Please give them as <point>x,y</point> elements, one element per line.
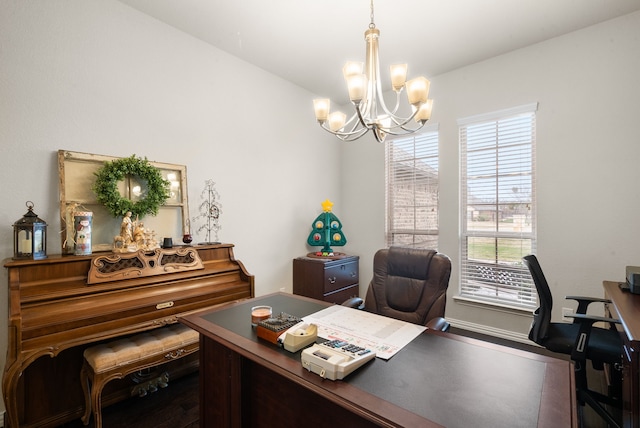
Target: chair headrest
<point>409,262</point>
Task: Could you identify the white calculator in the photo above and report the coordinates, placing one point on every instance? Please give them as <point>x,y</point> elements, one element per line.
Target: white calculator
<point>335,359</point>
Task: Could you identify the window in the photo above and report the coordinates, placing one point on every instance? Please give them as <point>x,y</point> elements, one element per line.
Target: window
<point>498,227</point>
<point>411,166</point>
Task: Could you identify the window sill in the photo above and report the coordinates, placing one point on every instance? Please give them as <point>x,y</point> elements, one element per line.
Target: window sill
<point>497,307</point>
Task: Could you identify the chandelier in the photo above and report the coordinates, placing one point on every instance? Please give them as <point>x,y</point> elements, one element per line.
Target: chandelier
<point>365,93</point>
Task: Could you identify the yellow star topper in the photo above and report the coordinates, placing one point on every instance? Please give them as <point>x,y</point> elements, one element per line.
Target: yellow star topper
<point>326,206</point>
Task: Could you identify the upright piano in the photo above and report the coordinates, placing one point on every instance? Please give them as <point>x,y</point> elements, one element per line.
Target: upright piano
<point>61,305</point>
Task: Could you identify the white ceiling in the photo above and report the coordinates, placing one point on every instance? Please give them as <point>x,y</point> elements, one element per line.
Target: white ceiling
<point>308,41</point>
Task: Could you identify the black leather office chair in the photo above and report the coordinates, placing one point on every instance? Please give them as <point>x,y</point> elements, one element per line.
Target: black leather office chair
<point>580,340</point>
<point>409,284</point>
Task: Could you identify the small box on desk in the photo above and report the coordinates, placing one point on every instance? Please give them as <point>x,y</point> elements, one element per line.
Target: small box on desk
<point>633,279</point>
<point>271,328</point>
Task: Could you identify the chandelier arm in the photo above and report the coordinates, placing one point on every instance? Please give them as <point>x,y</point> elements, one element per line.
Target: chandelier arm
<point>348,136</point>
<point>402,130</point>
<point>355,131</point>
<point>355,120</point>
<point>354,137</point>
<point>360,117</point>
<point>393,131</point>
<point>392,113</point>
<point>400,122</point>
<point>356,125</point>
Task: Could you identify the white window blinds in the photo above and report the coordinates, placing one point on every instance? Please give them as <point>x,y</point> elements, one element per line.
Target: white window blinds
<point>498,206</point>
<point>411,166</point>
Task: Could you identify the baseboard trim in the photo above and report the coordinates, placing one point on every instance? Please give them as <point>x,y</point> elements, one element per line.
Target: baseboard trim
<point>491,331</point>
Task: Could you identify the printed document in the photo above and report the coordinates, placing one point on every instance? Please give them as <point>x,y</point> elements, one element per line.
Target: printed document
<point>386,336</point>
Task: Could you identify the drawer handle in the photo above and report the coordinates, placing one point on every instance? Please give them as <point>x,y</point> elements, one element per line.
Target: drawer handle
<point>353,274</point>
<point>332,280</point>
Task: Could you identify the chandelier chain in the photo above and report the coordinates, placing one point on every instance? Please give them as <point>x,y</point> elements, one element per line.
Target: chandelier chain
<point>372,24</point>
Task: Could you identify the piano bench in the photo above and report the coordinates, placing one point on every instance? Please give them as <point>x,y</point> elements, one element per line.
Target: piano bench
<point>117,359</point>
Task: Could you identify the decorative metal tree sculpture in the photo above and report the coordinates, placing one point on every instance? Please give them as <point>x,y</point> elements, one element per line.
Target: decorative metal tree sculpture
<point>209,210</point>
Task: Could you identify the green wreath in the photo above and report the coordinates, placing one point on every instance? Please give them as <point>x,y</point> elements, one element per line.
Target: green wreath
<point>106,187</point>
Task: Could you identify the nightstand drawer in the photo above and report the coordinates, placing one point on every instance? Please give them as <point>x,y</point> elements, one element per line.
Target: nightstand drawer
<point>341,296</point>
<point>319,277</point>
<point>340,276</point>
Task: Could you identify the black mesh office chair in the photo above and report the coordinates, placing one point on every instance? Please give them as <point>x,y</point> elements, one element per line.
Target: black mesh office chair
<point>580,340</point>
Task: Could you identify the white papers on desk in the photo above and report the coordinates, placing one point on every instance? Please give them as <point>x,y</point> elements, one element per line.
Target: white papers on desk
<point>385,335</point>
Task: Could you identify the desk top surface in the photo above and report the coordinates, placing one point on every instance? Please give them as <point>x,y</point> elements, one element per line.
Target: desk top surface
<point>627,306</point>
<point>445,378</point>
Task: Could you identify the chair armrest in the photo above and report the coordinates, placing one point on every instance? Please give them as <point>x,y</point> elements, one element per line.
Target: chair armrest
<point>585,301</point>
<point>438,323</point>
<point>354,302</point>
<point>592,318</point>
<point>588,299</point>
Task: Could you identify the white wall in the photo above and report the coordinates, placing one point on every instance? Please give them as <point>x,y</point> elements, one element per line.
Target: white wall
<point>588,162</point>
<point>100,77</point>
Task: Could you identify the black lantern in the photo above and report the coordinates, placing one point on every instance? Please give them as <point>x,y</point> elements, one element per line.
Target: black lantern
<point>30,236</point>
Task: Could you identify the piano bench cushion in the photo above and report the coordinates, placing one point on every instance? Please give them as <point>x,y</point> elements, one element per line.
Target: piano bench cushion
<point>116,359</point>
<point>122,352</point>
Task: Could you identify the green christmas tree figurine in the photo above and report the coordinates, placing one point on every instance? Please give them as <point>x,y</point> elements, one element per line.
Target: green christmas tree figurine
<point>326,231</point>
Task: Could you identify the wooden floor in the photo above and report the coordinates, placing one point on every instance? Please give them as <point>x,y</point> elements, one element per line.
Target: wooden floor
<point>177,405</point>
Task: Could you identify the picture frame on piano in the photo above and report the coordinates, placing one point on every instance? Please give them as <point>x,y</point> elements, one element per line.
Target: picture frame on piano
<point>76,173</point>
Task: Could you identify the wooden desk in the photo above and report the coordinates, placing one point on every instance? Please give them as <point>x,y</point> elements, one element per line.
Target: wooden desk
<point>439,379</point>
<point>626,307</point>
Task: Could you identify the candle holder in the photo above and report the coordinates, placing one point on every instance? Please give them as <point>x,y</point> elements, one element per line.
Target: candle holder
<point>186,237</point>
<point>30,236</point>
<point>260,313</point>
